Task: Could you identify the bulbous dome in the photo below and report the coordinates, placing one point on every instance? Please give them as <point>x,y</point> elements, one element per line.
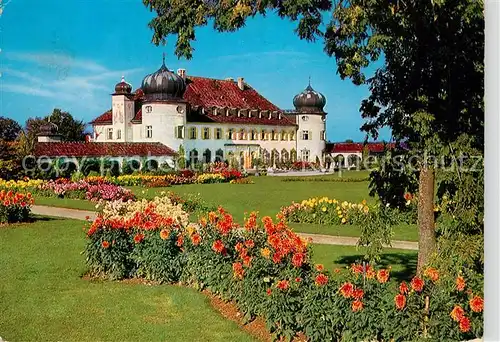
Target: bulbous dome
<point>309,100</point>
<point>123,87</point>
<point>48,129</point>
<point>163,85</point>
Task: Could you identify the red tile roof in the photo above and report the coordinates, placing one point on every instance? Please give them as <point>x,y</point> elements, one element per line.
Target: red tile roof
<point>96,149</point>
<point>208,93</point>
<point>105,118</point>
<point>375,147</point>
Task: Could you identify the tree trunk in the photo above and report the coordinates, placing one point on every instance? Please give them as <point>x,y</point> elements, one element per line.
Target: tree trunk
<point>426,231</point>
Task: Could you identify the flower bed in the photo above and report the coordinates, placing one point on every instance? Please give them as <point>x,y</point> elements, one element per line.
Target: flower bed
<point>302,165</point>
<point>266,269</point>
<point>14,206</point>
<point>323,210</point>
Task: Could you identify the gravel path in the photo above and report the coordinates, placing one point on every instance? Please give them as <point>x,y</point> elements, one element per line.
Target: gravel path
<point>316,238</point>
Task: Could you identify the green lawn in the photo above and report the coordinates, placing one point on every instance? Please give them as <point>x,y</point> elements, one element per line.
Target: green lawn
<point>402,232</point>
<point>43,298</point>
<point>403,262</point>
<point>267,195</point>
<point>65,203</point>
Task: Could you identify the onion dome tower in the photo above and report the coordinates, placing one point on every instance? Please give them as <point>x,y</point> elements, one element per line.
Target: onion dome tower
<point>123,88</point>
<point>163,84</point>
<point>309,101</point>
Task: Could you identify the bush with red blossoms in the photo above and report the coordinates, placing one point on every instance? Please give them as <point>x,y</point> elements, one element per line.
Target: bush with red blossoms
<point>108,192</point>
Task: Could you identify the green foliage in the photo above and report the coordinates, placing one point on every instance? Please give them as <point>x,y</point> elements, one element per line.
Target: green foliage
<point>181,158</point>
<point>9,129</point>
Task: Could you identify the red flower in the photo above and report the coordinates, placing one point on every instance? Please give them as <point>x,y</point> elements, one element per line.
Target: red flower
<point>298,279</point>
<point>283,284</point>
<point>457,313</point>
<point>357,268</point>
<point>238,247</point>
<point>249,244</point>
<point>407,196</point>
<point>337,270</point>
<point>477,304</point>
<point>403,288</point>
<point>358,293</point>
<point>196,239</point>
<point>347,290</point>
<point>464,324</point>
<point>218,246</point>
<point>383,276</point>
<point>320,268</point>
<point>432,274</point>
<point>298,259</point>
<point>105,244</point>
<point>247,260</point>
<point>400,301</point>
<point>180,241</point>
<point>460,282</point>
<point>321,279</point>
<point>238,270</point>
<point>268,291</point>
<point>357,305</point>
<point>138,238</point>
<point>417,284</point>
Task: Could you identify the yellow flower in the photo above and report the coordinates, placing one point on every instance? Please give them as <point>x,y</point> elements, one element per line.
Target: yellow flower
<point>265,252</point>
<point>324,208</point>
<point>363,202</point>
<point>339,212</point>
<point>343,220</point>
<point>365,209</point>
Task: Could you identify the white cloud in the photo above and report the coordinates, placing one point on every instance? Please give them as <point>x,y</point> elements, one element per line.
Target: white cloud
<point>28,90</point>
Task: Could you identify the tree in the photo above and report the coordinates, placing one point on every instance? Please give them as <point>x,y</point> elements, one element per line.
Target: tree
<point>349,141</point>
<point>68,127</point>
<point>9,129</point>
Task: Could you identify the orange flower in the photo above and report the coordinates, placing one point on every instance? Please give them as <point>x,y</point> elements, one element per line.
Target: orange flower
<point>337,270</point>
<point>400,301</point>
<point>247,260</point>
<point>105,244</point>
<point>383,276</point>
<point>320,268</point>
<point>464,324</point>
<point>283,284</point>
<point>321,279</point>
<point>357,305</point>
<point>477,304</point>
<point>417,284</point>
<point>218,246</point>
<point>347,290</point>
<point>266,252</point>
<point>203,222</point>
<point>164,234</point>
<point>403,288</point>
<point>357,268</point>
<point>457,313</point>
<point>370,273</point>
<point>238,270</point>
<point>196,239</point>
<point>249,244</point>
<point>460,283</point>
<point>407,196</point>
<point>298,259</point>
<point>180,241</point>
<point>432,274</point>
<point>138,238</point>
<point>358,293</point>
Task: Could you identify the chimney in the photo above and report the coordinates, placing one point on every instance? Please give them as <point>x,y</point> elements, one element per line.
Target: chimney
<point>230,79</point>
<point>181,73</point>
<point>241,83</point>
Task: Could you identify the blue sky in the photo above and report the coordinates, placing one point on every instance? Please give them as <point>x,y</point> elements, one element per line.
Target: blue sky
<point>70,54</point>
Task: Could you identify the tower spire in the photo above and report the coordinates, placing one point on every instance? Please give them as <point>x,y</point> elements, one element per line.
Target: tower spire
<point>309,80</point>
<point>164,58</point>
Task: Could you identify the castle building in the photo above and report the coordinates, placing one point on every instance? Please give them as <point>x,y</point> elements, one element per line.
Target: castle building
<point>213,119</point>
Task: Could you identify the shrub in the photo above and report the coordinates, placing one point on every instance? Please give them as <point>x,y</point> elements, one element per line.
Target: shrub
<point>14,206</point>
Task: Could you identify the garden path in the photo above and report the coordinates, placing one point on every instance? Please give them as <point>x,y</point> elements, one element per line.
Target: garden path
<point>315,238</point>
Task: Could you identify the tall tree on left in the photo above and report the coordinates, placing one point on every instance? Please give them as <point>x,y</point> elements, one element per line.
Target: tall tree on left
<point>9,129</point>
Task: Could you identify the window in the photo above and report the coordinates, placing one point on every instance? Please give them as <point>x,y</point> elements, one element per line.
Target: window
<point>322,135</point>
<point>253,135</point>
<point>110,134</point>
<point>305,118</point>
<point>119,134</point>
<point>219,155</point>
<point>283,135</point>
<point>243,135</point>
<point>193,157</point>
<point>192,133</point>
<point>207,156</point>
<point>218,133</point>
<point>263,134</point>
<point>292,136</point>
<point>149,109</point>
<point>206,133</point>
<point>149,131</point>
<point>305,155</point>
<point>323,118</point>
<point>230,133</point>
<point>273,135</point>
<point>305,135</point>
<point>179,132</point>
